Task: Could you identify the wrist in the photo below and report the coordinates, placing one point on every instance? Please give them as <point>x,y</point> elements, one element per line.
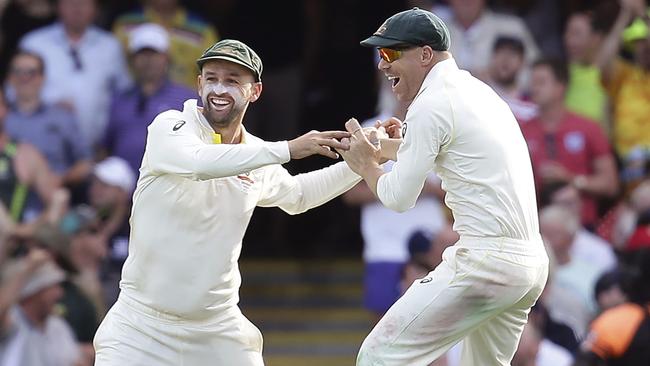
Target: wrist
<point>580,182</point>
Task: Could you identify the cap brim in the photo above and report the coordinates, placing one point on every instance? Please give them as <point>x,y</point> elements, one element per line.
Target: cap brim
<point>378,41</point>
<point>203,60</point>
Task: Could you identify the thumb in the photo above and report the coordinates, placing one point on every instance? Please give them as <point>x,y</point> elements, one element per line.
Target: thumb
<point>352,125</point>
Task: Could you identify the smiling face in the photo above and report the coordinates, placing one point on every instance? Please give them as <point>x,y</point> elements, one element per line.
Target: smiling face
<point>226,89</point>
<point>407,73</point>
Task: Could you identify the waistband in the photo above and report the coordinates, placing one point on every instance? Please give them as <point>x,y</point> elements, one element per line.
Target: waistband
<point>218,316</point>
<point>526,247</point>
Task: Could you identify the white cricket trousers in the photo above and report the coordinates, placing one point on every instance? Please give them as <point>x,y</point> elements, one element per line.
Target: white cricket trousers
<point>134,335</point>
<point>481,293</point>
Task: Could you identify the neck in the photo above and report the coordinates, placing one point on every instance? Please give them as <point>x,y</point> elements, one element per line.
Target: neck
<point>74,35</point>
<point>150,87</point>
<point>33,316</point>
<point>510,90</point>
<point>467,22</point>
<point>562,257</point>
<point>28,105</point>
<point>551,115</point>
<point>230,133</point>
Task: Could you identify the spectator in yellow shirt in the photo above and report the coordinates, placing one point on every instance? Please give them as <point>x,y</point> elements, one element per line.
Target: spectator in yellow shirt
<point>628,83</point>
<point>189,34</point>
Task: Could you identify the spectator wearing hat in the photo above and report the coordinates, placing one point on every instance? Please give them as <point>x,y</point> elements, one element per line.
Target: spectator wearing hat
<point>506,64</point>
<point>189,34</point>
<point>52,129</point>
<point>81,303</point>
<point>84,65</point>
<point>628,82</point>
<point>110,196</point>
<point>153,92</point>
<point>33,335</point>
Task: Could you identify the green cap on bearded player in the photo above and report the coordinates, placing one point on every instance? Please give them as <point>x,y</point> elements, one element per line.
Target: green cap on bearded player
<point>415,27</point>
<point>233,51</point>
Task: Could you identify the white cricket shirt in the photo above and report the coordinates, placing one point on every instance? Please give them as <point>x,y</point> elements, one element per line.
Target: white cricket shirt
<point>459,127</point>
<point>191,207</point>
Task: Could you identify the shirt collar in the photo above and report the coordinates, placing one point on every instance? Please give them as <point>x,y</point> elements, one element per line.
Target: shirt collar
<point>438,71</point>
<point>86,38</point>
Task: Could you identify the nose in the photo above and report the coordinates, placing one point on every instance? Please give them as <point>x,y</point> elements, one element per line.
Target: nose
<point>383,65</point>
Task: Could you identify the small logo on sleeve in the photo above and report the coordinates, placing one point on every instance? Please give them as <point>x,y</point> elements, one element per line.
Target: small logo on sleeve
<point>404,129</point>
<point>178,126</point>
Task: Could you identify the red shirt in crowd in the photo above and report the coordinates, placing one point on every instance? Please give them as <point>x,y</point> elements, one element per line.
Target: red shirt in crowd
<point>575,144</point>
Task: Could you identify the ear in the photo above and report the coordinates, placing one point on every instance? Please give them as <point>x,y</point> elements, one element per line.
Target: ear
<point>256,91</point>
<point>199,81</point>
<point>426,56</point>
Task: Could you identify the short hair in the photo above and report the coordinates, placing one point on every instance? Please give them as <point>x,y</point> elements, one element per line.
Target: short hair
<point>34,55</point>
<point>510,42</point>
<point>548,190</point>
<point>560,215</point>
<point>635,282</point>
<point>558,67</point>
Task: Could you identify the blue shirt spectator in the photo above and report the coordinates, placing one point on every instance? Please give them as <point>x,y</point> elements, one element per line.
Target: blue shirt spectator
<point>132,111</point>
<point>84,65</point>
<point>53,131</point>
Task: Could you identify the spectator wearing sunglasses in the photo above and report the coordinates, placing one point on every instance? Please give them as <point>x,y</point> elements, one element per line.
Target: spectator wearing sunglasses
<point>458,127</point>
<point>84,65</point>
<point>53,130</point>
<point>565,147</point>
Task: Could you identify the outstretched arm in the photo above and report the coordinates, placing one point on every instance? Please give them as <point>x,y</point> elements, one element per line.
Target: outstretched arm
<point>174,148</point>
<point>610,47</point>
<point>299,193</point>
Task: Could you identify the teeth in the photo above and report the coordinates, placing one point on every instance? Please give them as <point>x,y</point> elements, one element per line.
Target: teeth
<point>219,101</point>
<point>391,77</point>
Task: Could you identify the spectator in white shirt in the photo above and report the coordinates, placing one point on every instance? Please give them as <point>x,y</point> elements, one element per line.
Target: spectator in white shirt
<point>84,65</point>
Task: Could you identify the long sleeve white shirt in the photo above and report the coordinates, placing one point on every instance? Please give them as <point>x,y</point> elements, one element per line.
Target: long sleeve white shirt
<point>191,207</point>
<point>458,127</point>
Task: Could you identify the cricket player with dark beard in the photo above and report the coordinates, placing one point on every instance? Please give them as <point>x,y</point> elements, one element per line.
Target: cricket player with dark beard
<point>201,177</point>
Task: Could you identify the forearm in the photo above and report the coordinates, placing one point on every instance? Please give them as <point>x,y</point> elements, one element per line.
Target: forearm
<point>217,161</point>
<point>77,173</point>
<point>596,185</point>
<point>611,44</point>
<point>322,185</point>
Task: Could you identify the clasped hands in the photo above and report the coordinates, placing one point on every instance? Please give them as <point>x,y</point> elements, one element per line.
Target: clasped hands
<point>361,147</point>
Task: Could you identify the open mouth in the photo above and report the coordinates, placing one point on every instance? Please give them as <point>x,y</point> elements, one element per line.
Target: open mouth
<point>219,104</point>
<point>394,80</point>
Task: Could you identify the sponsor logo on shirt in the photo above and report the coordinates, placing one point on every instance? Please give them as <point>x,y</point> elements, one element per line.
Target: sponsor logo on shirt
<point>178,126</point>
<point>574,142</point>
<point>245,181</point>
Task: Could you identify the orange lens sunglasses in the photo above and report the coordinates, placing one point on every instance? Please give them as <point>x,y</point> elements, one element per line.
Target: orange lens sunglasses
<point>389,55</point>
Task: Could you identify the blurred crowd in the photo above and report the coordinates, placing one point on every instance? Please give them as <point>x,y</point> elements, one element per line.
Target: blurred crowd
<point>82,79</point>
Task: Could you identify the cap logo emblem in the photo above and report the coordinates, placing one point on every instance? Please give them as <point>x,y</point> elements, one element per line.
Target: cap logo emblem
<point>382,28</point>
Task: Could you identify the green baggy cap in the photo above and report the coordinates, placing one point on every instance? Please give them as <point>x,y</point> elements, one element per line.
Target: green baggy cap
<point>233,51</point>
<point>415,27</point>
